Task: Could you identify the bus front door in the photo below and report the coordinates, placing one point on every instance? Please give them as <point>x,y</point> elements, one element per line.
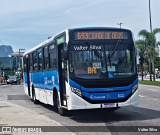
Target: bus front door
<point>62,75</point>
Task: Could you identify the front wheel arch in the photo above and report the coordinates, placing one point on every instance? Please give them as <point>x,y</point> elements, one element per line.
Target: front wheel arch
<point>56,102</point>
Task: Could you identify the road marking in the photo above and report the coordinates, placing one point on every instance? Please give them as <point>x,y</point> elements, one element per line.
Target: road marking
<point>143,85</point>
<point>1,86</point>
<point>141,96</point>
<point>153,90</point>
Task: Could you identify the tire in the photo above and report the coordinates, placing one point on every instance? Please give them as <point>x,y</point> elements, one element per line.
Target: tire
<point>60,110</point>
<point>34,97</point>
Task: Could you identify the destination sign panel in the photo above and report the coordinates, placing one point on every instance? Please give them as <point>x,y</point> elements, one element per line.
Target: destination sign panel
<point>100,35</point>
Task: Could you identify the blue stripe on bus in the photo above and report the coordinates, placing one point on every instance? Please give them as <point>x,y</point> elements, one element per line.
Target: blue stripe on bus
<point>105,93</point>
<point>74,84</point>
<point>25,78</point>
<point>135,82</point>
<point>44,80</point>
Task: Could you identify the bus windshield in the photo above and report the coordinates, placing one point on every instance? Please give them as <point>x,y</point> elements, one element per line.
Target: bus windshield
<point>101,61</point>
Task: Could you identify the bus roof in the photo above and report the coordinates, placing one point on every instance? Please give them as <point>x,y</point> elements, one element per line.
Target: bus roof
<point>81,28</point>
<point>98,28</point>
<point>39,45</point>
<point>47,41</point>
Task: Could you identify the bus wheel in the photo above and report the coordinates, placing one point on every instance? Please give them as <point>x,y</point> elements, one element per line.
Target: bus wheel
<point>61,110</point>
<point>34,97</point>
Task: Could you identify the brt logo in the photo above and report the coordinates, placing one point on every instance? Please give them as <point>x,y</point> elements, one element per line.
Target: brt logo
<point>92,70</point>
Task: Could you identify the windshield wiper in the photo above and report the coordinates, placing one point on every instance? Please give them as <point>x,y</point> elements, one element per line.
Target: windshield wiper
<point>97,54</point>
<point>112,52</point>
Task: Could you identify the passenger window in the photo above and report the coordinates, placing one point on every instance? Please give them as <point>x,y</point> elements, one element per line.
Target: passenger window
<point>35,62</point>
<point>24,64</point>
<point>46,61</point>
<point>52,57</point>
<point>31,62</point>
<point>40,60</point>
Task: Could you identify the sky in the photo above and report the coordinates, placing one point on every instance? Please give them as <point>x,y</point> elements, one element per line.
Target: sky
<point>26,23</point>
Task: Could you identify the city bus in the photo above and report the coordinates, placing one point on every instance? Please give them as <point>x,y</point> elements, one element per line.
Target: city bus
<point>83,68</point>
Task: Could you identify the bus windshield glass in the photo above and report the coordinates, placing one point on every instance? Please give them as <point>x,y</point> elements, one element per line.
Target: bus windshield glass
<point>101,61</point>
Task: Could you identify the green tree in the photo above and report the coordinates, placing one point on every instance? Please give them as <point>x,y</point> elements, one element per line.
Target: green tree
<point>142,49</point>
<point>157,63</point>
<point>150,45</point>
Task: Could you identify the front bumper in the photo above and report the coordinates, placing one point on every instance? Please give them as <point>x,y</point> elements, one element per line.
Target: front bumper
<point>75,102</point>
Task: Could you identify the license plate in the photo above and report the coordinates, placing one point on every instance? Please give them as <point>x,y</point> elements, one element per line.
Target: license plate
<point>109,105</point>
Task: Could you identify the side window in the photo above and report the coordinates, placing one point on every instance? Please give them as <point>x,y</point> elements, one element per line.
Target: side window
<point>31,62</point>
<point>45,59</point>
<point>40,65</point>
<point>35,62</point>
<point>52,57</point>
<point>24,64</point>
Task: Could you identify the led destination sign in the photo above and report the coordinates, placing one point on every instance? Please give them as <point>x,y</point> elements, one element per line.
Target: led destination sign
<point>94,35</point>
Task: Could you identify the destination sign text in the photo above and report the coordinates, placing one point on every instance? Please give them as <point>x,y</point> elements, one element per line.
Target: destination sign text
<point>91,35</point>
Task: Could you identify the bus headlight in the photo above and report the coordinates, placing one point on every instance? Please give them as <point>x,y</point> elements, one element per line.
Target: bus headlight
<point>76,91</point>
<point>134,88</point>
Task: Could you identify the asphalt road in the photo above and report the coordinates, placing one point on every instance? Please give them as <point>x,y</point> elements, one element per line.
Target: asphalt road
<point>146,114</point>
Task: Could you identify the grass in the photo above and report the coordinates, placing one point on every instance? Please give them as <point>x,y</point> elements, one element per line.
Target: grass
<point>146,82</point>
